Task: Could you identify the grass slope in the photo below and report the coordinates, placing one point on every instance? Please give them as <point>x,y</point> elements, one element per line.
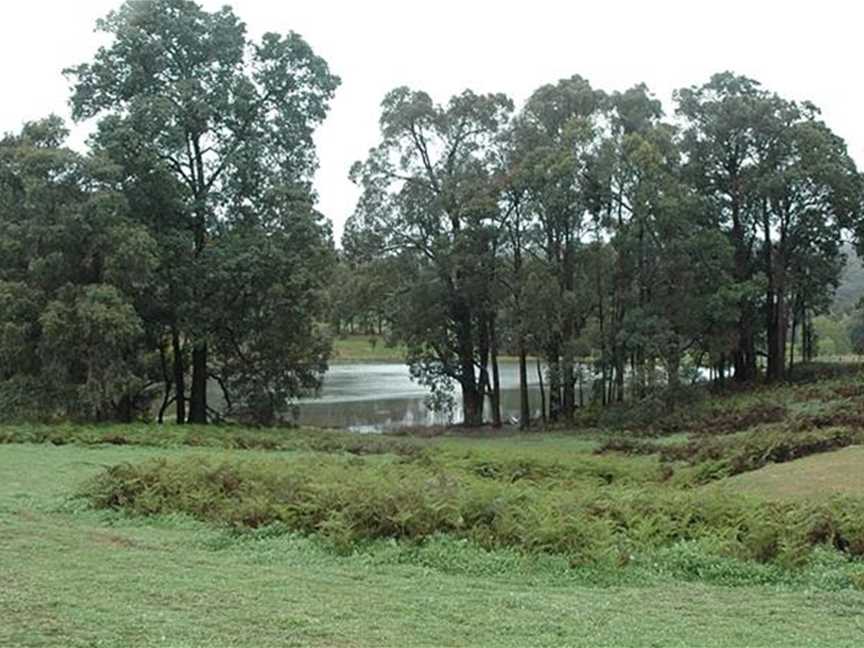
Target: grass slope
<point>816,477</point>
<point>75,577</point>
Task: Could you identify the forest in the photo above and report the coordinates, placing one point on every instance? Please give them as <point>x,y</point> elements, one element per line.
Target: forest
<point>587,364</point>
<point>593,234</point>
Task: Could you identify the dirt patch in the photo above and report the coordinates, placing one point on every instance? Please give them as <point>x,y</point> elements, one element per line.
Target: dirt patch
<point>116,541</point>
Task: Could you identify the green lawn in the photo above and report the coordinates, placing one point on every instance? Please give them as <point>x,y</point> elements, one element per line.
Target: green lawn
<point>73,577</point>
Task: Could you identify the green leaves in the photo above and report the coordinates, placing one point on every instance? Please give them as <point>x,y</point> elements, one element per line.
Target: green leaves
<point>212,136</point>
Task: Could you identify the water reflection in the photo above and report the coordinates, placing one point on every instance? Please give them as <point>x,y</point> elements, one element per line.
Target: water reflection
<point>376,396</point>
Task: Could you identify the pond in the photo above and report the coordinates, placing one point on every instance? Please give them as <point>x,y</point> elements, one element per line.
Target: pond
<point>371,397</point>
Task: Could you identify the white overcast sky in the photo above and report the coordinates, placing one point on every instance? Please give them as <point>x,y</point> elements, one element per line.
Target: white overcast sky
<point>803,50</point>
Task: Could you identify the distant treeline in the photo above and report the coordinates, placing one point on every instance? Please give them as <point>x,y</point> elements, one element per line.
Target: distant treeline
<point>183,250</point>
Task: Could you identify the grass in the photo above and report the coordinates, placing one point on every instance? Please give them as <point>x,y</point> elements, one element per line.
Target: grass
<point>365,348</point>
<point>815,477</point>
<point>231,537</point>
<point>373,348</point>
<point>76,577</point>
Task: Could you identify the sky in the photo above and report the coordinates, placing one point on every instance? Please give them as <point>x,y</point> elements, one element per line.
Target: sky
<point>802,50</point>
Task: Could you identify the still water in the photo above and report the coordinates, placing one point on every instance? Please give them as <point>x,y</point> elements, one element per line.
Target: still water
<point>371,397</point>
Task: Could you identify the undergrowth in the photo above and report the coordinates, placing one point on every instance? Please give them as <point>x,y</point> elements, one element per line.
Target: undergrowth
<point>353,501</point>
<point>224,437</point>
<point>712,458</point>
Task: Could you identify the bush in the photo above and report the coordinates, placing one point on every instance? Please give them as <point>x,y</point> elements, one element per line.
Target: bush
<point>227,437</point>
<point>354,501</point>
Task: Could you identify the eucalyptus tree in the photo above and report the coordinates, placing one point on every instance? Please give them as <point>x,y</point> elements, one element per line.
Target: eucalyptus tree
<point>230,120</point>
<point>683,263</point>
<point>74,272</point>
<point>722,122</point>
<point>618,181</point>
<point>557,135</point>
<point>515,232</point>
<point>785,190</point>
<point>811,194</point>
<point>428,199</point>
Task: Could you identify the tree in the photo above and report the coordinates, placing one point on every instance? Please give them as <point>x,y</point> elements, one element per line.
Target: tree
<point>231,121</point>
<point>266,322</point>
<point>628,169</point>
<point>556,137</point>
<point>721,121</point>
<point>811,194</point>
<point>427,195</point>
<point>783,188</point>
<point>683,264</point>
<point>73,268</point>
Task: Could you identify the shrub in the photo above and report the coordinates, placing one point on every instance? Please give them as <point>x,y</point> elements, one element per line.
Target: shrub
<point>354,501</point>
<point>228,437</point>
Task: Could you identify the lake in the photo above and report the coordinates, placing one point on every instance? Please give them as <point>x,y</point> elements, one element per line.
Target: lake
<point>371,397</point>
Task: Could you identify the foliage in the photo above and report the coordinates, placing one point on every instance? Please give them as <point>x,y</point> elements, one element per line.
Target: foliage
<point>591,225</point>
<point>219,437</point>
<point>424,593</point>
<point>213,134</point>
<point>348,502</point>
<point>427,197</point>
<point>71,331</point>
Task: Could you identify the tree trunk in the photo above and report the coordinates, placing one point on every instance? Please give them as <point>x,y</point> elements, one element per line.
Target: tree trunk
<point>542,391</point>
<point>179,376</point>
<point>792,339</point>
<point>124,409</point>
<point>166,379</point>
<point>620,369</point>
<point>198,396</point>
<point>553,356</point>
<point>745,354</point>
<point>673,370</point>
<point>472,404</point>
<point>771,368</point>
<point>496,377</point>
<point>581,385</point>
<point>782,326</point>
<point>569,385</point>
<point>524,402</point>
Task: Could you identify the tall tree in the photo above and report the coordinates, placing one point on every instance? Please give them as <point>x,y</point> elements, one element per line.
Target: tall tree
<point>560,133</point>
<point>427,191</point>
<point>810,194</point>
<point>229,119</point>
<point>73,270</point>
<point>622,176</point>
<point>721,120</point>
<point>783,187</point>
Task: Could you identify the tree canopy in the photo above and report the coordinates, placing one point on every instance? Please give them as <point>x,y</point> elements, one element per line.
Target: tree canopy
<point>196,208</point>
<point>180,263</point>
<point>589,228</point>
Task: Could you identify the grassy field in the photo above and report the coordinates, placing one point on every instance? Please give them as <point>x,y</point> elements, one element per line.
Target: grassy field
<point>365,348</point>
<point>181,560</point>
<point>75,577</point>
